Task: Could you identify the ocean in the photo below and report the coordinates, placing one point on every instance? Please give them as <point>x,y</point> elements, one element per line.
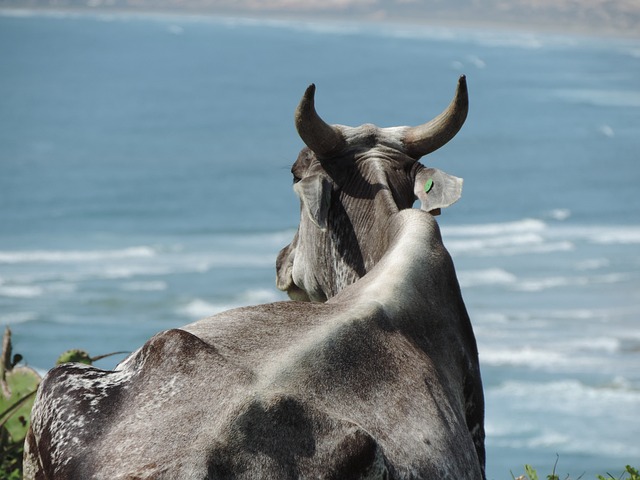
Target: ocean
<point>144,183</point>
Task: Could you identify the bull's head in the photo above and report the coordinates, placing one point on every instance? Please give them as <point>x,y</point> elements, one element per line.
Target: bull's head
<point>350,181</point>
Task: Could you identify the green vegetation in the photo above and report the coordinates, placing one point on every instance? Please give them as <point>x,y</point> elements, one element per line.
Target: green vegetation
<point>18,385</point>
<point>630,473</point>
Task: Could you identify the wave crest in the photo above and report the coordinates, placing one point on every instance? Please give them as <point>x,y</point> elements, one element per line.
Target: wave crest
<point>73,256</point>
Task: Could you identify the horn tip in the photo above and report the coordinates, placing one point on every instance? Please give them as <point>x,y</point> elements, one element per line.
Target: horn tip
<point>462,82</point>
<point>306,103</point>
<point>311,90</point>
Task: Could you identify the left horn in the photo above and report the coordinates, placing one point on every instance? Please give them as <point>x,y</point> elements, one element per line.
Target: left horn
<point>426,138</point>
<point>319,136</point>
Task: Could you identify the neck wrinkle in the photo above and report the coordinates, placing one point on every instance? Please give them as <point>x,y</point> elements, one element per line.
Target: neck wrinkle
<point>367,200</point>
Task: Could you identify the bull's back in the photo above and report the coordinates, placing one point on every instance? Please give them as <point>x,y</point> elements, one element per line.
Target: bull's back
<point>337,397</point>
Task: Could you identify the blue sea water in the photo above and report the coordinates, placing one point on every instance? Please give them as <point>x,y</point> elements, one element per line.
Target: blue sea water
<point>144,183</point>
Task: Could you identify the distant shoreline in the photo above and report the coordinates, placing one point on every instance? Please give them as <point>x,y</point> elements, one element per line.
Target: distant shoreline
<point>326,18</point>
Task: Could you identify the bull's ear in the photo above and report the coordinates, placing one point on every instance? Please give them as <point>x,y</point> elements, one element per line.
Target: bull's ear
<point>436,189</point>
<point>315,193</point>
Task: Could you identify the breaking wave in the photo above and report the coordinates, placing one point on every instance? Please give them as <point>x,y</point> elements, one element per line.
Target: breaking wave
<point>492,276</point>
<point>73,256</point>
<point>574,353</point>
<point>14,318</point>
<point>547,409</point>
<point>532,236</point>
<point>522,357</point>
<point>568,394</point>
<point>198,308</point>
<point>21,291</point>
<point>526,226</point>
<point>539,284</point>
<point>151,286</point>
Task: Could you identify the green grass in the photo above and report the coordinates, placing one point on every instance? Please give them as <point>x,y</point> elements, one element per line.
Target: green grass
<point>531,473</point>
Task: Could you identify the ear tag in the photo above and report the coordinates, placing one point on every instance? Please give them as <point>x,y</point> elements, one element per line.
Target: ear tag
<point>428,186</point>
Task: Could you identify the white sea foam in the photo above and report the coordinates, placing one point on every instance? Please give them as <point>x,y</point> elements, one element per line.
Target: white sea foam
<point>507,245</point>
<point>531,236</point>
<point>262,295</point>
<point>15,318</point>
<point>144,286</point>
<point>567,396</point>
<point>199,308</point>
<point>578,314</point>
<point>527,225</point>
<point>117,272</point>
<point>27,289</point>
<point>616,235</point>
<point>539,284</point>
<point>492,276</point>
<point>262,240</point>
<point>73,256</point>
<point>598,234</point>
<point>599,344</point>
<point>537,231</point>
<point>523,357</point>
<point>555,440</point>
<point>124,264</point>
<point>548,439</point>
<point>21,291</point>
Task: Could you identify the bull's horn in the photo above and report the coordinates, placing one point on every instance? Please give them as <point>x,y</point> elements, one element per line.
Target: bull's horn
<point>428,137</point>
<point>319,136</point>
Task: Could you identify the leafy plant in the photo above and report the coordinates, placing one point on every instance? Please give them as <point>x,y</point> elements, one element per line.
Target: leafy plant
<point>531,473</point>
<point>18,386</point>
<point>632,473</point>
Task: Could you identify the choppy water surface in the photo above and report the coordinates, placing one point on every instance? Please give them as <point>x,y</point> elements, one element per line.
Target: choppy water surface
<point>144,184</point>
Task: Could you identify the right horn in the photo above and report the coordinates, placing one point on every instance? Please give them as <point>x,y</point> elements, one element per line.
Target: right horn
<point>430,136</point>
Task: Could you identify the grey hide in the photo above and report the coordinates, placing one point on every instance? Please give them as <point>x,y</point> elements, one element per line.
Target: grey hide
<point>380,381</point>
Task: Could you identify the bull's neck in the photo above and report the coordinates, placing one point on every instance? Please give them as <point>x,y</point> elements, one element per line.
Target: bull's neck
<point>413,251</point>
<point>355,249</point>
<point>368,202</point>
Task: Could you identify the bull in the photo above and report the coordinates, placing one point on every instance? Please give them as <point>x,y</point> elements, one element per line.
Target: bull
<point>370,372</point>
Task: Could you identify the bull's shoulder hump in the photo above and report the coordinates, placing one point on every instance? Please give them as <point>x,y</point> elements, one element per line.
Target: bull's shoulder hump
<point>413,223</point>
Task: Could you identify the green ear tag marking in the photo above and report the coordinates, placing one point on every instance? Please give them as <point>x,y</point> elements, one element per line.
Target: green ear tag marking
<point>428,186</point>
